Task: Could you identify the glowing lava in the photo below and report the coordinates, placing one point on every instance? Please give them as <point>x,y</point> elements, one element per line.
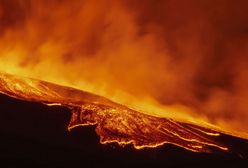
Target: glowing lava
<point>114,122</point>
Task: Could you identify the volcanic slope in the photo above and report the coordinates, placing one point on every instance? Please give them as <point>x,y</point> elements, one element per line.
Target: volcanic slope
<point>115,123</point>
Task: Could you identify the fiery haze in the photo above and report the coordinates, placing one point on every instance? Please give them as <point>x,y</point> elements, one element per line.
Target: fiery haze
<point>182,59</point>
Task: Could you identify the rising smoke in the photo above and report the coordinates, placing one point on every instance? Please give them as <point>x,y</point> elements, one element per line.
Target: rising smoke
<point>192,53</point>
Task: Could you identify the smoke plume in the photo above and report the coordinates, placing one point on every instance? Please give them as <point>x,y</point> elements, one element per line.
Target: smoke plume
<point>175,53</point>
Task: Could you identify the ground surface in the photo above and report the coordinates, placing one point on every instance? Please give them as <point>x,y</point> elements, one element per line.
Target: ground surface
<point>45,142</point>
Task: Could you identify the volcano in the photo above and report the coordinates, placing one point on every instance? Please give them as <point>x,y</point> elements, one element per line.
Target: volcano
<point>115,124</point>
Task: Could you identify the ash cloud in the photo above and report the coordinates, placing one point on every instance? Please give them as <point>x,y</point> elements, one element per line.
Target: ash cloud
<point>191,52</point>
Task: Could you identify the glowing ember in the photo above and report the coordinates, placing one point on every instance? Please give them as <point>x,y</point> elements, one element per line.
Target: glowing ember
<point>115,122</point>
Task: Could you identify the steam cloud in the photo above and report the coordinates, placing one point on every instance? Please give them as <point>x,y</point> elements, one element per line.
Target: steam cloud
<point>193,53</point>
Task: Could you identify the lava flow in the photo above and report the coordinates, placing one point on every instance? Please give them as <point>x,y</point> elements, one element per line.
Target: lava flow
<point>161,72</point>
<point>114,122</point>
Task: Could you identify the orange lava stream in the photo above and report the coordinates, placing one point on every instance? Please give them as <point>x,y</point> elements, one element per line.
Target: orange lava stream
<point>114,122</point>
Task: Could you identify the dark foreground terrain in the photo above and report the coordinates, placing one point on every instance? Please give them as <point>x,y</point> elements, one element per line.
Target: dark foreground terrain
<point>35,135</point>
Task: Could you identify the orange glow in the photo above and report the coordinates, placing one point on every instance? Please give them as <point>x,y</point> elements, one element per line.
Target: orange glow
<point>180,63</point>
<point>114,122</point>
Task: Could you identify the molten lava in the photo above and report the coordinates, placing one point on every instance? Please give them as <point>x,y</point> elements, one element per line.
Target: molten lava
<point>114,122</point>
<point>165,63</point>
